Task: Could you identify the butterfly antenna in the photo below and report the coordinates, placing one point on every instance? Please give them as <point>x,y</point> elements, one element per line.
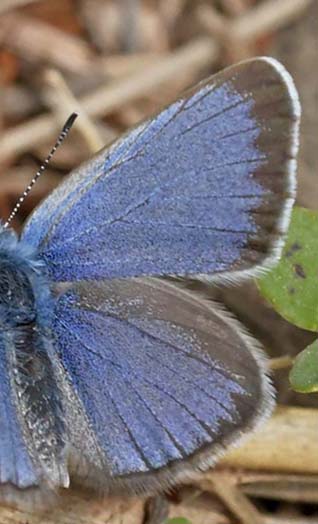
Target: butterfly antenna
<point>67,126</point>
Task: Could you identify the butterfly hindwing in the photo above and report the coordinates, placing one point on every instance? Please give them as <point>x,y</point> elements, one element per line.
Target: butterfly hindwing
<point>166,380</point>
<point>204,187</point>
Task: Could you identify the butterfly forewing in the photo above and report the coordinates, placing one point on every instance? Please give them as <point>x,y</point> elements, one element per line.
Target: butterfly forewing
<point>204,187</point>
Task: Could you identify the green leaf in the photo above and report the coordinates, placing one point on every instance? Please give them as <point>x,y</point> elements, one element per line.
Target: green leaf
<point>304,374</point>
<point>292,286</point>
<point>178,520</point>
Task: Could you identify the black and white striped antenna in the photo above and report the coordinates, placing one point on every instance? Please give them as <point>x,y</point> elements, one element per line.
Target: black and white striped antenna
<point>67,126</point>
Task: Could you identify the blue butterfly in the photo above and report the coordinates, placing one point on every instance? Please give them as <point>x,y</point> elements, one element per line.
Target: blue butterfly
<point>110,373</point>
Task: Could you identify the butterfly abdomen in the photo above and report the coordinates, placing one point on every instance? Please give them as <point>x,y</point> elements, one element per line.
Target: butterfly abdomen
<point>37,395</point>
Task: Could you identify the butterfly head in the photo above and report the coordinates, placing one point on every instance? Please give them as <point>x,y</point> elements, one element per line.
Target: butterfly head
<point>23,282</point>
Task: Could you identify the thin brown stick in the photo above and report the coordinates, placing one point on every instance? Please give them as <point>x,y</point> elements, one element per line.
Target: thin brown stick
<point>286,361</point>
<point>270,519</point>
<point>278,486</point>
<point>19,101</point>
<point>185,61</point>
<point>63,102</point>
<point>188,59</point>
<point>41,42</point>
<point>119,65</point>
<point>235,500</point>
<point>273,447</point>
<point>272,485</point>
<point>9,5</point>
<point>214,22</point>
<point>267,17</point>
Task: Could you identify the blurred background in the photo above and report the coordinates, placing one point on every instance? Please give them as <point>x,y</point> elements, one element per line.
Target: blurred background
<point>118,61</point>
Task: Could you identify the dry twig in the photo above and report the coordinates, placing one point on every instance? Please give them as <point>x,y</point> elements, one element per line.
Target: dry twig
<point>38,41</point>
<point>9,5</point>
<point>243,30</point>
<point>267,17</point>
<point>235,500</point>
<point>63,102</point>
<point>283,362</point>
<point>273,447</point>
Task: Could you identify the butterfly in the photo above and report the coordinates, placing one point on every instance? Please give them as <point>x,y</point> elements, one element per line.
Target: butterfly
<point>112,373</point>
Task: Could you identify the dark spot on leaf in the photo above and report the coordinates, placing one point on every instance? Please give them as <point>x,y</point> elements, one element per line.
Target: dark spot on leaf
<point>292,249</point>
<point>299,270</point>
<point>291,290</point>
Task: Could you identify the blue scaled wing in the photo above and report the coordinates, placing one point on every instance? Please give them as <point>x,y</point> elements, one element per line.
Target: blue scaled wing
<point>204,187</point>
<point>165,379</point>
